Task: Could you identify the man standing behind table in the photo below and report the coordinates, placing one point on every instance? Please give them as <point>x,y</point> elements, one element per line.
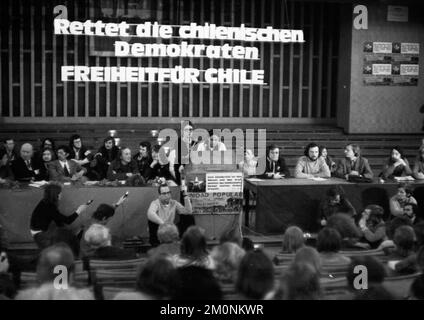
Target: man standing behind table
<point>311,164</point>
<point>164,209</point>
<point>353,164</point>
<point>63,169</point>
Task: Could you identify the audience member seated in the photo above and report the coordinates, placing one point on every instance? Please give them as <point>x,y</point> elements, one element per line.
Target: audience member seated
<point>311,164</point>
<point>7,154</point>
<point>212,144</point>
<point>301,282</point>
<point>47,212</point>
<point>158,168</point>
<point>400,199</point>
<point>25,168</point>
<point>47,143</point>
<point>348,230</point>
<point>329,243</point>
<point>416,291</point>
<point>195,283</point>
<point>227,257</point>
<point>293,240</point>
<point>144,158</point>
<point>373,226</point>
<point>391,227</point>
<point>47,156</point>
<point>122,168</point>
<point>107,153</point>
<point>102,215</point>
<point>169,241</point>
<point>334,202</point>
<point>165,210</point>
<point>99,239</point>
<point>276,167</point>
<point>50,258</point>
<point>308,255</point>
<point>397,165</point>
<point>328,160</point>
<point>249,164</point>
<point>65,170</point>
<point>154,281</point>
<point>402,259</point>
<point>255,278</point>
<point>353,166</point>
<point>194,250</point>
<point>231,235</point>
<point>410,211</point>
<point>418,170</point>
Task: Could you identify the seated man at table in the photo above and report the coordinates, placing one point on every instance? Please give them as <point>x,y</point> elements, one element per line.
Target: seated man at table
<point>312,164</point>
<point>144,157</point>
<point>353,165</point>
<point>164,210</point>
<point>275,164</point>
<point>63,169</point>
<point>7,154</point>
<point>124,167</point>
<point>25,168</point>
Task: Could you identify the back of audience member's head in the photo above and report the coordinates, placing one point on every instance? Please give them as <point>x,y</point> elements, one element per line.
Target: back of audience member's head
<point>301,282</point>
<point>193,243</point>
<point>417,288</point>
<point>232,235</point>
<point>344,224</point>
<point>419,233</point>
<point>103,212</point>
<point>51,193</point>
<point>97,236</point>
<point>404,239</point>
<point>168,233</point>
<point>48,292</point>
<point>195,283</point>
<point>57,254</point>
<point>293,239</point>
<point>374,292</point>
<point>329,240</point>
<point>255,278</point>
<point>376,271</point>
<point>227,257</point>
<point>155,277</point>
<point>308,255</point>
<point>247,244</point>
<point>394,224</point>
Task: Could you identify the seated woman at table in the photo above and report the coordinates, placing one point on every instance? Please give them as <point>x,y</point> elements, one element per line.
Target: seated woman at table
<point>418,171</point>
<point>276,167</point>
<point>122,168</point>
<point>47,143</point>
<point>158,168</point>
<point>397,165</point>
<point>47,156</point>
<point>249,164</point>
<point>328,160</point>
<point>334,202</point>
<point>107,153</point>
<point>400,199</point>
<point>47,212</point>
<point>373,226</point>
<point>353,165</point>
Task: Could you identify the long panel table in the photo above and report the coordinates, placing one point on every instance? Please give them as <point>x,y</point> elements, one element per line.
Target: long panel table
<point>280,203</point>
<point>130,219</point>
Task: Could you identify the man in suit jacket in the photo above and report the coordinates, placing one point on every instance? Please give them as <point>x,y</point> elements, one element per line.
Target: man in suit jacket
<point>63,169</point>
<point>25,168</point>
<point>275,164</point>
<point>353,164</point>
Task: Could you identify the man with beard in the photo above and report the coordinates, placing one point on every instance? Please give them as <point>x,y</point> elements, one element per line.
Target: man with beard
<point>312,164</point>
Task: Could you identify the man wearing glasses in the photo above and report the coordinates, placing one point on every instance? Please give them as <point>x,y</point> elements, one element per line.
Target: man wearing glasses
<point>164,209</point>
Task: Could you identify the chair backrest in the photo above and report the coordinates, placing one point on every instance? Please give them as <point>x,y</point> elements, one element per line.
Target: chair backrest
<point>400,285</point>
<point>29,279</point>
<point>116,278</point>
<point>109,293</point>
<point>96,264</point>
<point>283,258</point>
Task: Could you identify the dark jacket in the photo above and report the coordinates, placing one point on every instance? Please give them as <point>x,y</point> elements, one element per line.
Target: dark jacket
<point>103,159</point>
<point>118,171</point>
<point>361,165</point>
<point>143,164</point>
<point>45,213</point>
<point>159,170</point>
<point>21,172</point>
<point>278,166</point>
<point>56,172</point>
<point>113,253</point>
<point>326,209</point>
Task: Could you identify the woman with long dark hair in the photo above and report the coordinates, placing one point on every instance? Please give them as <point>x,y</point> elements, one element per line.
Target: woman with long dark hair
<point>47,212</point>
<point>397,165</point>
<point>47,156</point>
<point>106,154</point>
